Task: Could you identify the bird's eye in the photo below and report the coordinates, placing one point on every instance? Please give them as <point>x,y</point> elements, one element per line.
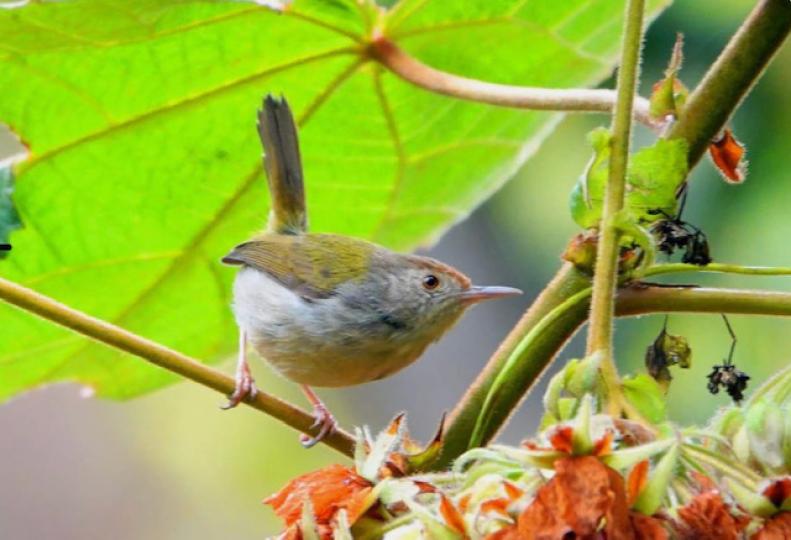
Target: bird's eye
<point>430,282</point>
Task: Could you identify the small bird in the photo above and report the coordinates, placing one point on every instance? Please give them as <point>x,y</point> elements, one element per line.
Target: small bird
<point>330,310</point>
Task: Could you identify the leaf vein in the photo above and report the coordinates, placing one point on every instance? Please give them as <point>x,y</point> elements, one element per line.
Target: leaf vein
<point>170,107</point>
<point>392,129</point>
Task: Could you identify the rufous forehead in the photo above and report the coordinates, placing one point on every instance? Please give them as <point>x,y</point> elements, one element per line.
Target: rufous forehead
<point>436,266</point>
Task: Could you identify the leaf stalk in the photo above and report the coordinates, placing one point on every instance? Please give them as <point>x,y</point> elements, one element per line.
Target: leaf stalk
<point>412,70</point>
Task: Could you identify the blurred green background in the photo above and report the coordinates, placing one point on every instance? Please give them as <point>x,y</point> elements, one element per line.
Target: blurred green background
<point>172,465</point>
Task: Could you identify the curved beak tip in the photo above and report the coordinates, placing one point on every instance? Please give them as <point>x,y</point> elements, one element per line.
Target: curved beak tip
<point>478,294</point>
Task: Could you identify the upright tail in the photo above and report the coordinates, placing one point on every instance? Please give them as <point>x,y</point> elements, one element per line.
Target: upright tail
<point>283,166</point>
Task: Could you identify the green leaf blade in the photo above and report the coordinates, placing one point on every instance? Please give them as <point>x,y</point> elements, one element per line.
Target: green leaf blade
<point>145,165</point>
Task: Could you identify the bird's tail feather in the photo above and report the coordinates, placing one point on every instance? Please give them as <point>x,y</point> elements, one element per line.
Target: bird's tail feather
<point>283,166</point>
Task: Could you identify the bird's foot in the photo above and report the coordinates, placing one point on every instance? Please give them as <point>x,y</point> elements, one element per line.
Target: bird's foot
<point>243,390</point>
<point>324,421</point>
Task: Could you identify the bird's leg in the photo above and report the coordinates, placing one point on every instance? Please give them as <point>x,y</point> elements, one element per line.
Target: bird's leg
<point>323,418</point>
<point>245,385</point>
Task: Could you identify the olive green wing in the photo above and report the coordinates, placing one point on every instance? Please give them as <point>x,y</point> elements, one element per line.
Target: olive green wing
<point>313,265</point>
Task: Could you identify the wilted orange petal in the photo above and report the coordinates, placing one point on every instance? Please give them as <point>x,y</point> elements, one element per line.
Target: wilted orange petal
<point>727,154</point>
<point>704,483</point>
<point>424,487</point>
<point>560,439</point>
<point>707,517</point>
<point>464,502</point>
<point>512,491</point>
<point>776,528</point>
<point>395,424</point>
<point>451,515</point>
<point>329,489</point>
<point>499,506</point>
<point>583,499</point>
<point>647,527</point>
<point>292,533</point>
<point>603,446</point>
<point>638,478</point>
<point>778,491</point>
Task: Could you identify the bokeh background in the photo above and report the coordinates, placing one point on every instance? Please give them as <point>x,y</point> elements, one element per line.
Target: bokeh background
<point>171,465</point>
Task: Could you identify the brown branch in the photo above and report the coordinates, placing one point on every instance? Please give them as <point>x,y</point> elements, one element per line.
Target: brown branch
<point>114,336</point>
<point>414,71</point>
<point>732,75</point>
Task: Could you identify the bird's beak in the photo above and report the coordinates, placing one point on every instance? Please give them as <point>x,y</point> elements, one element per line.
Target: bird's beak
<point>478,294</point>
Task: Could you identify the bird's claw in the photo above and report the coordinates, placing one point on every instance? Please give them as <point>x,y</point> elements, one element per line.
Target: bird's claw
<point>324,420</point>
<point>243,390</point>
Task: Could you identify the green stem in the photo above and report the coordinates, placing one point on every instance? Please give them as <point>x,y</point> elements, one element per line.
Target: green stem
<point>605,277</point>
<point>773,22</point>
<point>731,468</point>
<point>509,369</point>
<point>567,282</point>
<point>730,78</point>
<point>719,268</point>
<point>640,299</point>
<point>174,361</point>
<point>542,347</point>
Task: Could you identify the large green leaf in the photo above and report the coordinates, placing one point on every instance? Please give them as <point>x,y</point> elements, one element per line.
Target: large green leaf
<point>145,166</point>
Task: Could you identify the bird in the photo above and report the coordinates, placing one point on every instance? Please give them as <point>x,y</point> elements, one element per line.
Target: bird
<point>329,310</point>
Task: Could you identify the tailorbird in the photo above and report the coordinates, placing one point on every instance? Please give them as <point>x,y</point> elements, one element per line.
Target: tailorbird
<point>331,310</point>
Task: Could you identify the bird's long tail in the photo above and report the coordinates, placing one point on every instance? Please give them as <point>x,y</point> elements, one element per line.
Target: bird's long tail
<point>283,166</point>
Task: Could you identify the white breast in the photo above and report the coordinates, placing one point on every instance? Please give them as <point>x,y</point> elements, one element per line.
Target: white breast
<point>312,342</point>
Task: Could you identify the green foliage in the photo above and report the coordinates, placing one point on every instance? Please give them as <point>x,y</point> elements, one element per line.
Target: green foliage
<point>654,493</point>
<point>654,175</point>
<point>669,94</point>
<point>145,167</point>
<point>645,394</point>
<point>567,388</point>
<point>760,431</point>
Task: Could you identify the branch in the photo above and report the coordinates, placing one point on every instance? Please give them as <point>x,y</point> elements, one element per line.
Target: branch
<point>605,276</point>
<point>638,299</point>
<point>771,19</point>
<point>414,71</point>
<point>160,355</point>
<point>732,75</point>
<point>717,268</point>
<point>567,282</point>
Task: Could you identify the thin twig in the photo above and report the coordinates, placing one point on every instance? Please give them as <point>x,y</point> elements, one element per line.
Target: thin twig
<point>416,72</point>
<point>717,268</point>
<point>114,336</point>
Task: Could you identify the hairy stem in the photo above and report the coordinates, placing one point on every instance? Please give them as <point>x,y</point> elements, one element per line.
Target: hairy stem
<point>698,132</point>
<point>531,363</point>
<point>520,97</point>
<point>732,75</point>
<point>512,364</point>
<point>717,268</point>
<point>640,299</point>
<point>164,357</point>
<point>605,277</point>
<point>637,299</point>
